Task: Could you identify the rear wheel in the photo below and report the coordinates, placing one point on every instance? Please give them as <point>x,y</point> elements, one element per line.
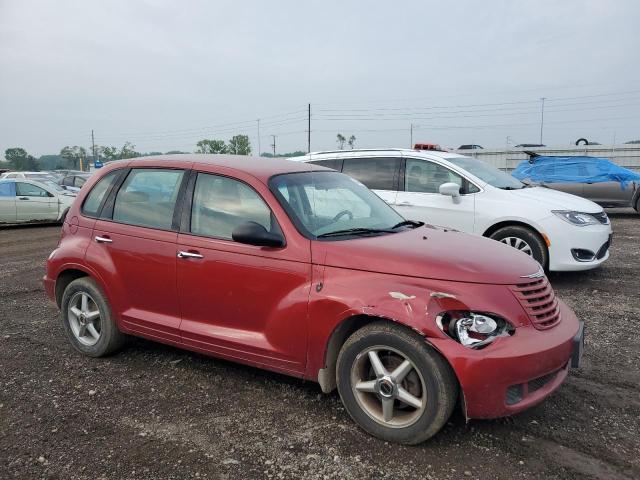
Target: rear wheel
<point>525,240</point>
<point>87,319</point>
<point>394,385</point>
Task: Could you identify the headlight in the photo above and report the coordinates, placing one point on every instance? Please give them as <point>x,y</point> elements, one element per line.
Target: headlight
<point>576,218</point>
<point>473,330</point>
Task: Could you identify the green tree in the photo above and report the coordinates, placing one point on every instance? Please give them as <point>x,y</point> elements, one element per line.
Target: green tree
<point>75,155</point>
<point>297,153</point>
<point>340,140</point>
<point>239,145</point>
<point>19,159</point>
<point>211,146</point>
<point>352,141</point>
<point>174,152</point>
<point>128,150</point>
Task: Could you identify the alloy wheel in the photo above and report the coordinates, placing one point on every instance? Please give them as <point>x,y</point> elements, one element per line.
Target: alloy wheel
<point>388,386</point>
<point>84,318</point>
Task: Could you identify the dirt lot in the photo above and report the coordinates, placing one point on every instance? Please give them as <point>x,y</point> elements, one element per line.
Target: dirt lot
<point>153,411</point>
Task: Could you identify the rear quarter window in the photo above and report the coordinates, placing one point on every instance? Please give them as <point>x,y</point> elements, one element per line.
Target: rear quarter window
<point>93,202</point>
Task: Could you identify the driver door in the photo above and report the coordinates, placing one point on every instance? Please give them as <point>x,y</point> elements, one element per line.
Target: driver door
<point>34,203</point>
<point>421,199</point>
<point>243,302</point>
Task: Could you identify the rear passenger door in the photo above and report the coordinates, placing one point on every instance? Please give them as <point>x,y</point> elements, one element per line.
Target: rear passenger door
<point>134,251</point>
<point>7,202</point>
<point>380,174</point>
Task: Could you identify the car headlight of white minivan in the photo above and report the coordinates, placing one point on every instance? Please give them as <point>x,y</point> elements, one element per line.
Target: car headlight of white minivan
<point>580,219</point>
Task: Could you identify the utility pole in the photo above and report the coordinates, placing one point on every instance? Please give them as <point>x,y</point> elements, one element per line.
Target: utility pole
<point>259,152</point>
<point>411,141</point>
<point>308,130</point>
<point>274,145</point>
<point>541,118</point>
<point>93,147</point>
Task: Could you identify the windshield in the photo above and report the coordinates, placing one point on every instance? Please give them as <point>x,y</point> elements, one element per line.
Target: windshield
<point>323,204</point>
<point>484,171</point>
<point>51,184</point>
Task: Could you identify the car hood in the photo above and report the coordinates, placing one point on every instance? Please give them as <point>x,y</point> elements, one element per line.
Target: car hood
<point>555,200</point>
<point>429,252</point>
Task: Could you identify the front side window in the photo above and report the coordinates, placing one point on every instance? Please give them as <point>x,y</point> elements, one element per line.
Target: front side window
<point>220,204</point>
<point>97,194</point>
<point>322,204</point>
<point>7,189</point>
<point>148,197</point>
<point>79,181</point>
<point>28,190</point>
<point>68,181</point>
<point>426,177</point>
<point>375,173</point>
<point>487,173</point>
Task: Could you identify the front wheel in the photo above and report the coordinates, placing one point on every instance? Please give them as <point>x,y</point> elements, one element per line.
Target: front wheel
<point>525,240</point>
<point>394,385</point>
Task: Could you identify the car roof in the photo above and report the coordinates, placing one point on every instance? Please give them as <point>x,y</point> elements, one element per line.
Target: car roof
<point>392,152</point>
<point>262,168</point>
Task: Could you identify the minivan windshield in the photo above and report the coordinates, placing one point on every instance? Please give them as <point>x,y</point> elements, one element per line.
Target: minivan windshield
<point>330,205</point>
<point>484,171</point>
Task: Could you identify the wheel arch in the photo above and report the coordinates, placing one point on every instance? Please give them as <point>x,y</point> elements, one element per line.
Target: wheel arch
<point>347,327</point>
<point>63,280</point>
<point>511,223</point>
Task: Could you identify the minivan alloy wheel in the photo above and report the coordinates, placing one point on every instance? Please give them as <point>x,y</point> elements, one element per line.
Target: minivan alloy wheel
<point>84,318</point>
<point>518,244</point>
<point>388,387</point>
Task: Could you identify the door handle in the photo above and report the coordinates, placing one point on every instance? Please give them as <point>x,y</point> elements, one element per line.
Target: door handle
<point>100,239</point>
<point>183,254</point>
<point>23,198</point>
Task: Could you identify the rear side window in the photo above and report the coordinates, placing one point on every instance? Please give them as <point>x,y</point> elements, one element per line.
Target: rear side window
<point>148,197</point>
<point>79,181</point>
<point>375,173</point>
<point>68,181</point>
<point>28,190</point>
<point>91,206</point>
<point>334,163</point>
<point>7,189</point>
<point>220,204</point>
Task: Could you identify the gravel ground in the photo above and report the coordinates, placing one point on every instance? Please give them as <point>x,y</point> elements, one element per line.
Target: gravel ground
<point>154,411</point>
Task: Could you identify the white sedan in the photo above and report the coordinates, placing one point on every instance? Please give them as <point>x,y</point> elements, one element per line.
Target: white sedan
<point>560,231</point>
<point>24,201</point>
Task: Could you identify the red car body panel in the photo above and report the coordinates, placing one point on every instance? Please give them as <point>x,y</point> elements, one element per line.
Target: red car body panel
<point>277,308</point>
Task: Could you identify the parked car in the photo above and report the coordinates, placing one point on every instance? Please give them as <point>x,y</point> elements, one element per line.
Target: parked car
<point>74,182</point>
<point>28,175</point>
<point>597,179</point>
<point>560,231</point>
<point>304,271</point>
<point>25,201</point>
<point>530,145</point>
<point>470,147</point>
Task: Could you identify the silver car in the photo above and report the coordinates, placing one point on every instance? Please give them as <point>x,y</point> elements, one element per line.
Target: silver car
<point>24,201</point>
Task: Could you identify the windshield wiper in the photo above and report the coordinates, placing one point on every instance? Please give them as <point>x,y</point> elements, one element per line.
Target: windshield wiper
<point>355,231</point>
<point>412,223</point>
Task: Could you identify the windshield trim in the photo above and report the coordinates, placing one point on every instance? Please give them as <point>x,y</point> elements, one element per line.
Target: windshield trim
<point>293,218</point>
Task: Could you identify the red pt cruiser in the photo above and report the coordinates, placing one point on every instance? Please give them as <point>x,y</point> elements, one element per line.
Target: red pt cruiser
<point>302,270</point>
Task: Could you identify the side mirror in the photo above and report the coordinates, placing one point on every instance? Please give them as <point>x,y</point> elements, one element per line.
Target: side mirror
<point>253,233</point>
<point>452,190</point>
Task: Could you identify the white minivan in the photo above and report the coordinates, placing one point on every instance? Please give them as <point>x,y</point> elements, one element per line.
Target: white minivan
<point>561,231</point>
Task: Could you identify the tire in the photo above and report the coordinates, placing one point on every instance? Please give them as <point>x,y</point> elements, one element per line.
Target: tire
<point>515,235</point>
<point>430,381</point>
<point>102,337</point>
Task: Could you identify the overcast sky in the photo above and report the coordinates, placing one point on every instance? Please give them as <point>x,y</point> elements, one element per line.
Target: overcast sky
<point>165,74</point>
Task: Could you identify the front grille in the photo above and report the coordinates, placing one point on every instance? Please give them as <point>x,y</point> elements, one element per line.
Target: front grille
<point>539,301</point>
<point>601,217</point>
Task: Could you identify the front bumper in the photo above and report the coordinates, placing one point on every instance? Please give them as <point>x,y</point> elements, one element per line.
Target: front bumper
<point>566,238</point>
<point>516,372</point>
